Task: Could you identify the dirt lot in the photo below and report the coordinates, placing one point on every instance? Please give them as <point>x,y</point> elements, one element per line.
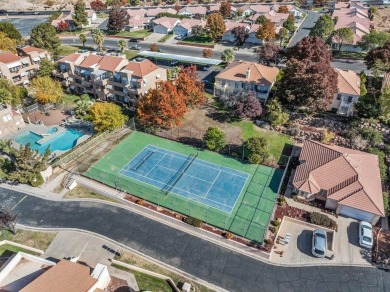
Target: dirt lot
<point>382,20</point>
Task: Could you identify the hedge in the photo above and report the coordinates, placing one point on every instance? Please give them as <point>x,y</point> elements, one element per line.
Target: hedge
<point>322,220</point>
<point>193,221</point>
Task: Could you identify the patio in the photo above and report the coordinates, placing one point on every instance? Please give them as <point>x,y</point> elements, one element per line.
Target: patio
<point>51,118</point>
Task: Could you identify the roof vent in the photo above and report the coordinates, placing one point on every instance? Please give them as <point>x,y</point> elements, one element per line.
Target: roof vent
<point>248,73</point>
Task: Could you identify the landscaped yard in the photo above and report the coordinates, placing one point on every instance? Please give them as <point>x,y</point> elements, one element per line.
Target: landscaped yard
<point>135,34</point>
<point>6,248</point>
<point>203,40</point>
<point>81,192</point>
<point>130,54</point>
<point>39,240</point>
<point>65,50</point>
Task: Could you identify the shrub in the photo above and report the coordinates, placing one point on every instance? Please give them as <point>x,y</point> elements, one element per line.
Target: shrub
<point>140,202</point>
<point>282,200</point>
<point>228,235</point>
<point>386,204</point>
<point>194,222</point>
<point>274,229</point>
<point>322,220</point>
<point>327,136</point>
<point>276,223</point>
<point>268,241</point>
<point>37,181</point>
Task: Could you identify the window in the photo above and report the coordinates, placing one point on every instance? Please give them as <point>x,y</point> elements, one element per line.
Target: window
<point>349,98</point>
<point>338,96</point>
<point>223,82</point>
<point>237,85</point>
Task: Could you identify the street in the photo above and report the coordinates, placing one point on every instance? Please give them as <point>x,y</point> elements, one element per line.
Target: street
<point>304,29</point>
<point>203,259</point>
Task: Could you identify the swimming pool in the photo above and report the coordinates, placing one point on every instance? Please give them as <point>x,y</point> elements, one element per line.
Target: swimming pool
<point>64,141</point>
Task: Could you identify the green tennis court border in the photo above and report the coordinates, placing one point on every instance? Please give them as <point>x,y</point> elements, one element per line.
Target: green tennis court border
<point>251,213</point>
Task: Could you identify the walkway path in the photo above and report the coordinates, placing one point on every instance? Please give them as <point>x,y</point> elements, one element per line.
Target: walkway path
<point>215,264</point>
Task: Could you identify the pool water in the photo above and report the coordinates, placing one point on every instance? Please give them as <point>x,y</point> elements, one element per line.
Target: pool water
<point>52,130</point>
<point>64,141</point>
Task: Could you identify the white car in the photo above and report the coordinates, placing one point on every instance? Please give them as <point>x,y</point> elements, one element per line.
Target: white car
<point>319,243</point>
<point>365,234</point>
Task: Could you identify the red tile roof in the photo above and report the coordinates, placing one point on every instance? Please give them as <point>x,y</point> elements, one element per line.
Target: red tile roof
<point>8,57</point>
<point>30,49</point>
<point>111,63</point>
<point>141,69</point>
<point>91,60</point>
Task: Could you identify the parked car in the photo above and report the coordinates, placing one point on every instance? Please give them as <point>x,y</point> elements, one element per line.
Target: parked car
<point>135,47</point>
<point>206,68</point>
<point>2,11</point>
<point>174,62</point>
<point>365,234</point>
<point>134,40</point>
<point>159,50</point>
<point>179,37</point>
<point>319,243</point>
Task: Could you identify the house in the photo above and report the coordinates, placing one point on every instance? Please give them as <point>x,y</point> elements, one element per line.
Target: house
<point>68,18</point>
<point>348,92</point>
<point>67,66</point>
<point>298,13</point>
<point>252,38</point>
<point>164,25</point>
<point>249,76</point>
<point>350,12</point>
<point>137,23</point>
<point>348,180</point>
<point>136,12</point>
<point>191,11</point>
<point>152,13</point>
<point>228,36</point>
<point>261,9</point>
<point>35,54</point>
<point>10,121</point>
<point>186,25</point>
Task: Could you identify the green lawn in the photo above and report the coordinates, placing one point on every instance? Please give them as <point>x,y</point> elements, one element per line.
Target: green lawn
<point>203,40</point>
<point>130,54</point>
<point>135,34</point>
<point>277,141</point>
<point>65,50</point>
<point>346,54</point>
<point>39,240</point>
<point>85,30</point>
<point>5,248</point>
<point>165,38</point>
<point>252,209</point>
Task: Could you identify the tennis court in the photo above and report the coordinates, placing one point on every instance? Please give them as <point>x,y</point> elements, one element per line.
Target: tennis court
<point>185,179</point>
<point>208,183</point>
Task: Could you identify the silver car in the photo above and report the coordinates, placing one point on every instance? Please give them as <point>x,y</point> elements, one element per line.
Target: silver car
<point>365,234</point>
<point>319,243</point>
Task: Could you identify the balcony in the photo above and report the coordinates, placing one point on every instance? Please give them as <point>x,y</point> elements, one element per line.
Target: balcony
<point>113,91</point>
<point>115,82</point>
<point>60,74</point>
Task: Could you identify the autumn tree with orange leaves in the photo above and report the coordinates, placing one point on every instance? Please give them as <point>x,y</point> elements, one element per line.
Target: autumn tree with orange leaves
<point>189,85</point>
<point>164,106</point>
<point>266,31</point>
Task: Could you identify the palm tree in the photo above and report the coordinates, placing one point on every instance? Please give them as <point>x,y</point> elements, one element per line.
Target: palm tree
<point>83,39</point>
<point>122,44</point>
<point>82,107</point>
<point>98,37</point>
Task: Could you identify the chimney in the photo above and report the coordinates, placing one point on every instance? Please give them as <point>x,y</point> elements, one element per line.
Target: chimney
<point>248,73</point>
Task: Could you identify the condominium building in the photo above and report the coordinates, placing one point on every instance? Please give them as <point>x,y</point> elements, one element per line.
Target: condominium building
<point>109,77</point>
<point>20,68</point>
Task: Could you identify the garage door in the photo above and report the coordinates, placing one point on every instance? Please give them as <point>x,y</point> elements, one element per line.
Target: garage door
<point>160,29</point>
<point>356,214</point>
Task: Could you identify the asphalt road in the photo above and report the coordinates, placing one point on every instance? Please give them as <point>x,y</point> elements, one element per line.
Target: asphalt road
<point>304,29</point>
<point>215,264</point>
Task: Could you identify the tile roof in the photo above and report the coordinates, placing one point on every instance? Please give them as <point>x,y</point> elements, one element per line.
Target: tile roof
<point>111,63</point>
<point>90,61</point>
<point>260,8</point>
<point>167,22</point>
<point>214,7</point>
<point>194,10</point>
<point>140,69</point>
<point>386,80</point>
<point>347,12</point>
<point>348,82</point>
<point>254,28</point>
<point>358,29</point>
<point>70,58</point>
<point>138,21</point>
<point>232,24</point>
<point>276,17</point>
<point>136,12</point>
<point>8,57</point>
<point>190,23</point>
<point>65,276</point>
<point>153,12</point>
<point>289,7</point>
<point>259,74</point>
<point>29,49</point>
<point>348,176</point>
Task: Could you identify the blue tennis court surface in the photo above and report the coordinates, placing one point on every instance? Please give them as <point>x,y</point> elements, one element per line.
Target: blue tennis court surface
<point>208,183</point>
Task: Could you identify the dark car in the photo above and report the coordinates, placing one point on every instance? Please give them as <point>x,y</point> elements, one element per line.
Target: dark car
<point>3,12</point>
<point>134,40</point>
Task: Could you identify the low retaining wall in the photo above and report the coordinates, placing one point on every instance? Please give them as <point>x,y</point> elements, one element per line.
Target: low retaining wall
<point>21,246</point>
<point>196,45</point>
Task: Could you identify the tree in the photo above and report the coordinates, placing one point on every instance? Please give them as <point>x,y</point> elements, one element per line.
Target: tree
<point>83,39</point>
<point>269,53</point>
<point>45,90</point>
<point>256,149</point>
<point>266,31</point>
<point>106,116</point>
<point>227,55</point>
<point>122,44</point>
<point>177,6</point>
<point>207,53</point>
<point>240,34</point>
<point>384,102</point>
<point>214,139</point>
<point>153,47</point>
<point>261,19</point>
<point>382,164</point>
<point>162,107</point>
<point>113,3</point>
<point>276,115</point>
<point>380,53</point>
<point>82,107</point>
<point>190,87</point>
<point>44,36</point>
<point>80,16</point>
<point>283,9</point>
<point>215,26</point>
<point>372,135</point>
<point>323,27</point>
<point>7,44</point>
<point>62,26</point>
<point>118,19</point>
<point>373,40</point>
<point>308,84</point>
<point>98,37</point>
<point>46,67</point>
<point>98,5</point>
<point>247,105</point>
<point>225,9</point>
<point>197,30</point>
<point>363,81</point>
<point>282,34</point>
<point>10,30</point>
<point>310,48</point>
<point>17,92</point>
<point>7,219</point>
<point>239,12</point>
<point>290,23</point>
<point>135,2</point>
<point>342,36</point>
<point>5,96</point>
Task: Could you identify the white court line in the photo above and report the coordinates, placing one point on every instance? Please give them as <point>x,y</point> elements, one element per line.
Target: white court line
<point>187,175</point>
<point>128,163</point>
<point>19,202</point>
<point>154,166</point>
<point>212,185</point>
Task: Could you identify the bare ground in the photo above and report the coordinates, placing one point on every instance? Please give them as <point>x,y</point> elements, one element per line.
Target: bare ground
<point>382,20</point>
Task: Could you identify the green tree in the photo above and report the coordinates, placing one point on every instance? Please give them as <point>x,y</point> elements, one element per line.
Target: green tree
<point>44,36</point>
<point>363,80</point>
<point>323,27</point>
<point>282,34</point>
<point>384,102</point>
<point>98,37</point>
<point>10,30</point>
<point>82,107</point>
<point>17,92</point>
<point>122,44</point>
<point>227,55</point>
<point>276,115</point>
<point>342,36</point>
<point>290,23</point>
<point>5,96</point>
<point>106,116</point>
<point>256,149</point>
<point>373,40</point>
<point>382,164</point>
<point>46,67</point>
<point>214,139</point>
<point>261,19</point>
<point>215,26</point>
<point>83,39</point>
<point>80,16</point>
<point>372,136</point>
<point>135,2</point>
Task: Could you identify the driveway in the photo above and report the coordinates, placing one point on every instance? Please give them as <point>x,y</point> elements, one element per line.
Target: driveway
<point>305,27</point>
<point>201,258</point>
<point>154,38</point>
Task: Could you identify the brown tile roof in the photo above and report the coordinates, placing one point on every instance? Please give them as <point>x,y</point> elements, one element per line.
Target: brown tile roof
<point>348,82</point>
<point>154,11</point>
<point>232,24</point>
<point>63,277</point>
<point>194,10</point>
<point>260,8</point>
<point>190,23</point>
<point>136,12</point>
<point>8,57</point>
<point>111,63</point>
<point>30,49</point>
<point>141,69</point>
<point>259,74</point>
<point>91,60</point>
<point>138,21</point>
<point>70,58</point>
<point>167,22</point>
<point>348,176</point>
<point>348,12</point>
